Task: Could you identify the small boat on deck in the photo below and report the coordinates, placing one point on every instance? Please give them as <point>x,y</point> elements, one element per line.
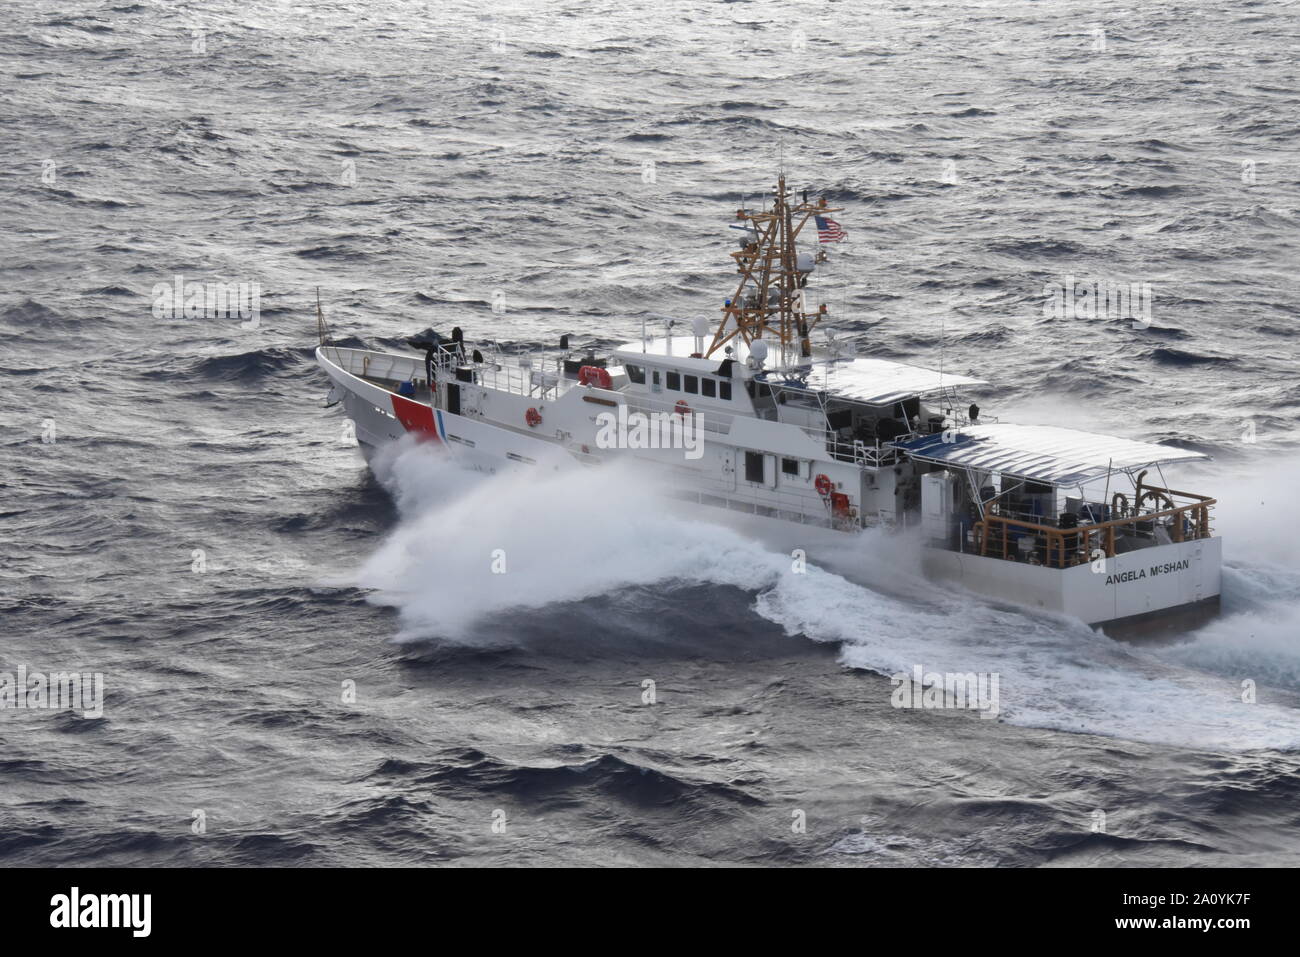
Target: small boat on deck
<point>744,419</point>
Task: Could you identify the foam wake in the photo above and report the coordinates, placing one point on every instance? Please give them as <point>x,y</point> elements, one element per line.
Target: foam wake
<point>471,545</point>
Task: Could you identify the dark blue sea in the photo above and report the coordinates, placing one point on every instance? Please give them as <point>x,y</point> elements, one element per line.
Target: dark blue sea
<point>307,662</point>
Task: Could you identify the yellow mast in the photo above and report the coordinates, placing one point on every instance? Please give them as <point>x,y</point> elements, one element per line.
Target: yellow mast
<point>770,298</point>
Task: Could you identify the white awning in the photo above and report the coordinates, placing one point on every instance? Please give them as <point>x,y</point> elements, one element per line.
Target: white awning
<point>879,381</point>
<point>1042,453</point>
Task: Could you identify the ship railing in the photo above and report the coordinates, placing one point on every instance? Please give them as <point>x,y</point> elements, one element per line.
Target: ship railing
<point>1175,516</point>
<point>353,361</point>
<point>381,368</point>
<point>336,355</point>
<point>505,376</point>
<point>961,420</point>
<point>515,379</point>
<point>784,508</point>
<point>711,421</point>
<point>953,412</point>
<point>391,368</point>
<point>863,453</point>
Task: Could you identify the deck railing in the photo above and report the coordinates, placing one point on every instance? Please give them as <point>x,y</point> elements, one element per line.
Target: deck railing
<point>999,537</point>
<point>861,453</point>
<point>520,380</point>
<point>711,419</point>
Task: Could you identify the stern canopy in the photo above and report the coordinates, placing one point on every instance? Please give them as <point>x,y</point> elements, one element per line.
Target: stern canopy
<point>1042,453</point>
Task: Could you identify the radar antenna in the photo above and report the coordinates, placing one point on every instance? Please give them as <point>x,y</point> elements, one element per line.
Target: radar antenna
<point>771,297</point>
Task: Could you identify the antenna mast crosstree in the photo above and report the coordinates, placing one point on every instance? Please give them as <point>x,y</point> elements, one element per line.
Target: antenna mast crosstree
<point>770,300</point>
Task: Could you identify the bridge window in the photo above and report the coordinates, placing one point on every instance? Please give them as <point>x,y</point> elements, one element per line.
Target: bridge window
<point>789,466</point>
<point>674,381</point>
<point>692,385</point>
<point>754,467</point>
<point>724,391</point>
<point>709,388</point>
<point>636,374</point>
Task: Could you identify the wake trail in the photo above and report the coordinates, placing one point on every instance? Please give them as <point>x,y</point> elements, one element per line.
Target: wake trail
<point>469,546</point>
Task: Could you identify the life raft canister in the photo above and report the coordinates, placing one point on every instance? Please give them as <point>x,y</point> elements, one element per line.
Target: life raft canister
<point>824,485</point>
<point>533,418</point>
<point>595,375</point>
<point>681,408</point>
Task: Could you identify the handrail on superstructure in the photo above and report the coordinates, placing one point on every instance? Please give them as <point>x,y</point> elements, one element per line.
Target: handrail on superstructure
<point>1190,522</point>
<point>712,419</point>
<point>858,451</point>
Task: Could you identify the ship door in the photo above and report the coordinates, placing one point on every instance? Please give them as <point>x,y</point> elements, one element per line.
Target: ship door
<point>453,398</point>
<point>728,478</point>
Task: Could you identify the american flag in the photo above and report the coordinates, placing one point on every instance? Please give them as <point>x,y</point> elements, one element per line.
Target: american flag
<point>829,231</point>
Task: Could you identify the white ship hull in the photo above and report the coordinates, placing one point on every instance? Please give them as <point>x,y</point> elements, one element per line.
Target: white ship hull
<point>1138,586</point>
<point>490,432</point>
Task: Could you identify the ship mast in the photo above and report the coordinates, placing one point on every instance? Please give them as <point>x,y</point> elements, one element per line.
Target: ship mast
<point>770,300</point>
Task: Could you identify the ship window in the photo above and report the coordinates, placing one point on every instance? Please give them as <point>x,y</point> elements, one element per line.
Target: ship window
<point>908,409</point>
<point>790,466</point>
<point>709,388</point>
<point>654,378</point>
<point>724,391</point>
<point>753,467</point>
<point>674,381</point>
<point>839,419</point>
<point>692,385</point>
<point>636,374</point>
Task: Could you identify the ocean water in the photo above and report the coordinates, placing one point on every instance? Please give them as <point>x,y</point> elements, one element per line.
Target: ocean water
<point>309,662</point>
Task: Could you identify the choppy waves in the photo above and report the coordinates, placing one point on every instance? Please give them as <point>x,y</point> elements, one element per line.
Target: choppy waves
<point>185,516</point>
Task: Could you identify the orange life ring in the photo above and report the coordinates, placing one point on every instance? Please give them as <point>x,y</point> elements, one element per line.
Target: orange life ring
<point>595,375</point>
<point>681,408</point>
<point>533,418</point>
<point>824,485</point>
